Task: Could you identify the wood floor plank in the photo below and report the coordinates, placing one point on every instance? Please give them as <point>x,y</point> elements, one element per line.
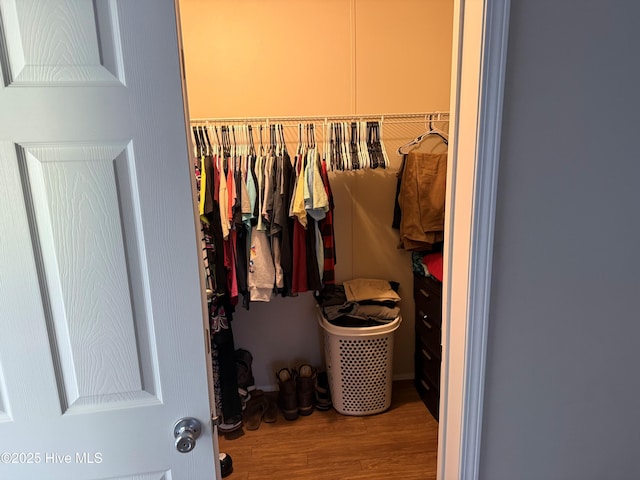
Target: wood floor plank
<point>399,443</point>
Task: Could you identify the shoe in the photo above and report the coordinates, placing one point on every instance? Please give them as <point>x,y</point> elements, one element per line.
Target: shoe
<point>322,392</point>
<point>230,426</point>
<point>256,407</point>
<point>271,412</point>
<point>287,397</point>
<point>305,388</point>
<point>246,382</point>
<point>226,465</point>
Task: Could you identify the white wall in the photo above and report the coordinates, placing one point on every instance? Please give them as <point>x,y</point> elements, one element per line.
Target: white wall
<point>562,383</point>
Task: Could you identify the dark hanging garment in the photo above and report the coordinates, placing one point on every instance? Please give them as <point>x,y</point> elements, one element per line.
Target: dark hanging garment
<point>219,309</point>
<point>256,207</point>
<point>241,258</point>
<point>397,212</point>
<point>224,361</point>
<point>299,283</point>
<point>209,187</point>
<point>212,230</point>
<point>328,237</point>
<point>269,188</point>
<point>282,222</point>
<point>313,275</point>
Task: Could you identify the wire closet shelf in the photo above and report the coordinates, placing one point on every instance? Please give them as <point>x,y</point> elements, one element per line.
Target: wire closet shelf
<point>319,120</point>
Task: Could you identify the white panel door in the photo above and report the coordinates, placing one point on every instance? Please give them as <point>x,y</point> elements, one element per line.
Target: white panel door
<point>102,347</point>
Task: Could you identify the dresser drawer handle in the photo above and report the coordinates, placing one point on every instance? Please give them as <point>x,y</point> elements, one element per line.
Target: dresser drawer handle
<point>424,321</point>
<point>424,293</point>
<point>424,352</point>
<point>425,385</point>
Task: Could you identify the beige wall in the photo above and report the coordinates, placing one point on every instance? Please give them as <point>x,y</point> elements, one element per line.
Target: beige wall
<point>253,58</point>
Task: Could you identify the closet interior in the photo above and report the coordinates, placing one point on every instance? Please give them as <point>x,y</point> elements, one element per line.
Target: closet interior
<point>327,72</point>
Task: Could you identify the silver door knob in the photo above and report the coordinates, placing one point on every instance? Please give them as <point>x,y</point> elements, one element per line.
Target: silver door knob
<point>186,431</point>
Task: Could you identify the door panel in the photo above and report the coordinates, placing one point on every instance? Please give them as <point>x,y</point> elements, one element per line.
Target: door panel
<point>59,41</point>
<point>102,347</point>
<point>76,202</point>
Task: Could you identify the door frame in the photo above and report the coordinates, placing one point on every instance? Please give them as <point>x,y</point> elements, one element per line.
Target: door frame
<point>480,37</point>
<point>196,223</point>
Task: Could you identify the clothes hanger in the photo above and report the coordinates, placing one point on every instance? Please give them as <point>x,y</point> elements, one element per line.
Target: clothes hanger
<point>196,142</point>
<point>335,147</point>
<point>382,146</point>
<point>219,150</point>
<point>313,136</point>
<point>344,152</point>
<point>252,146</point>
<point>271,138</point>
<point>353,145</point>
<point>203,143</point>
<point>283,144</point>
<point>436,131</point>
<point>340,161</point>
<point>363,155</point>
<point>367,145</point>
<point>325,144</point>
<point>244,147</point>
<point>226,148</point>
<point>209,146</point>
<point>234,147</point>
<point>345,161</point>
<point>420,138</point>
<point>377,134</point>
<point>214,146</point>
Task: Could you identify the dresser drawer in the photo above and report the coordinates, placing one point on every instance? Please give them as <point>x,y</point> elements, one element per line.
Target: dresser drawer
<point>430,396</point>
<point>427,363</point>
<point>428,332</point>
<point>430,311</point>
<point>426,287</point>
<point>428,300</point>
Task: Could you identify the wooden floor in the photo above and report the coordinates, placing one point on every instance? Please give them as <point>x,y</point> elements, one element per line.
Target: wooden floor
<point>399,443</point>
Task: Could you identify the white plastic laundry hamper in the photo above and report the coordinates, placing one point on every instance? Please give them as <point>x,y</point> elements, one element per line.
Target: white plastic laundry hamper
<point>359,366</point>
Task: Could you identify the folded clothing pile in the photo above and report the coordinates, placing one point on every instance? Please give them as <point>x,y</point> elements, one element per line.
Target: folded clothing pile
<point>428,265</point>
<point>361,302</point>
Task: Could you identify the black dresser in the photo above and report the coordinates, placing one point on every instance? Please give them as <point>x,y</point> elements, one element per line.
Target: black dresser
<point>427,294</point>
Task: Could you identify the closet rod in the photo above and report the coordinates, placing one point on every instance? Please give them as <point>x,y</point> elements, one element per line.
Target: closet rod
<point>435,116</point>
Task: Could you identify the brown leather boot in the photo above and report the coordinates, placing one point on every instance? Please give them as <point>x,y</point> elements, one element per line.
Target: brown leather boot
<point>287,398</point>
<point>305,387</point>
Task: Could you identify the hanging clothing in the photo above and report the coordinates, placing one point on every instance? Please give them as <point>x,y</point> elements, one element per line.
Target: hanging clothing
<point>224,363</point>
<point>282,225</point>
<point>316,202</point>
<point>223,196</point>
<point>314,281</point>
<point>299,282</point>
<point>212,228</point>
<point>241,236</point>
<point>421,199</point>
<point>289,203</point>
<point>259,169</point>
<point>228,401</point>
<point>328,237</point>
<point>261,270</point>
<point>298,206</point>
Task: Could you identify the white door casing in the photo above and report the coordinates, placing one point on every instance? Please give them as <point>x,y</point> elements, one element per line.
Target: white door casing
<point>101,346</point>
<point>477,85</point>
